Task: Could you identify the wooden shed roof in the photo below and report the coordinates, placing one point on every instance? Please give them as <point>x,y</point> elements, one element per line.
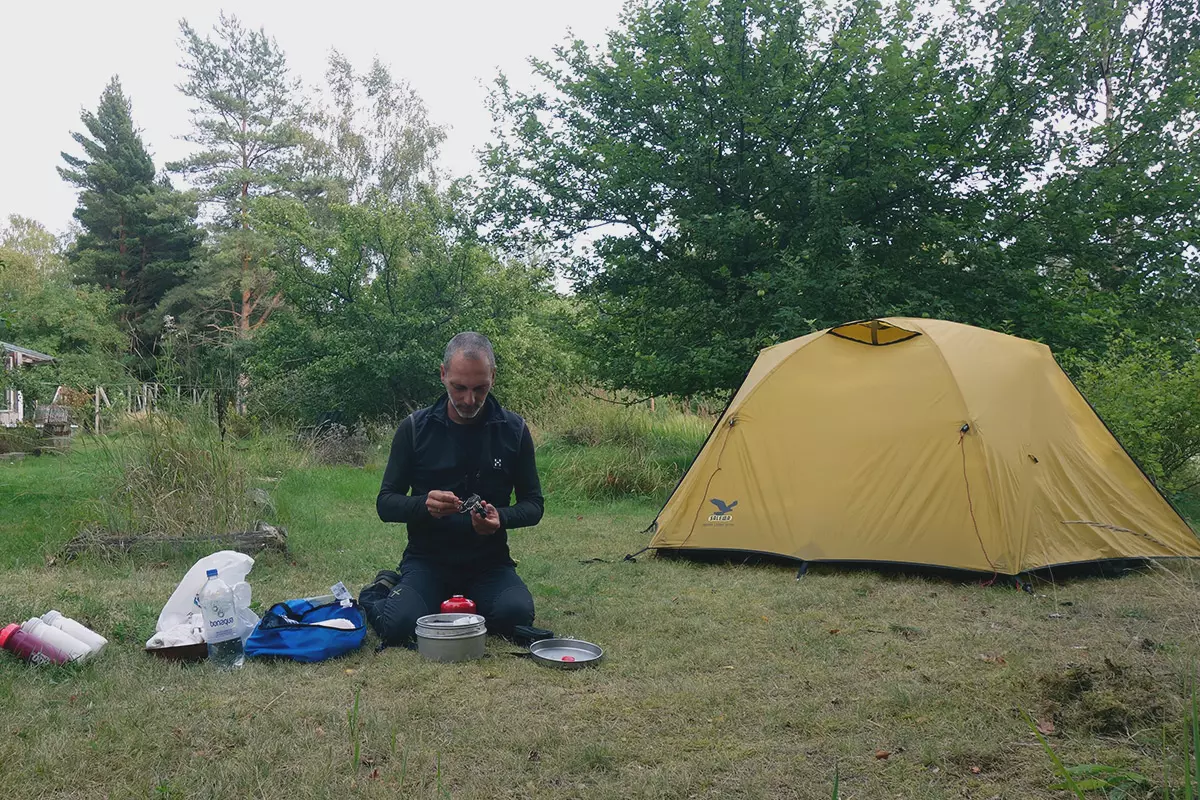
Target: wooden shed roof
<point>32,355</point>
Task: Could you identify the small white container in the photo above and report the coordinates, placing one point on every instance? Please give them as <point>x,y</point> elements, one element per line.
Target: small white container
<point>93,640</point>
<point>451,637</point>
<point>64,641</point>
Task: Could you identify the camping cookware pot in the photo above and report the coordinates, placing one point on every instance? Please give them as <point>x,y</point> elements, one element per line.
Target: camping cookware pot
<point>565,653</point>
<point>451,637</point>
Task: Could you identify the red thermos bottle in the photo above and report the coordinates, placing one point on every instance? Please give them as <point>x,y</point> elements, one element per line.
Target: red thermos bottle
<point>458,605</point>
<point>31,648</point>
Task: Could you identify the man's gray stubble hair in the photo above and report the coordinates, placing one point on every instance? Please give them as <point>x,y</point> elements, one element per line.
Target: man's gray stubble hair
<point>470,344</point>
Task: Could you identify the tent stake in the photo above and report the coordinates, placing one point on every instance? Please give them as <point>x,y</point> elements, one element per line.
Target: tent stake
<point>633,556</point>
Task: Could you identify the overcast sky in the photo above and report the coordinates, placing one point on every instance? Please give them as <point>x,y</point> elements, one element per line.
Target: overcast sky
<point>58,56</point>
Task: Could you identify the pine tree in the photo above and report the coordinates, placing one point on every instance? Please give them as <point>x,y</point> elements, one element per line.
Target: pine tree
<point>248,123</point>
<point>139,234</point>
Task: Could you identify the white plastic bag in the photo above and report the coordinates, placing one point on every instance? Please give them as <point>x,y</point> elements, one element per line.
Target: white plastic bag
<point>232,567</point>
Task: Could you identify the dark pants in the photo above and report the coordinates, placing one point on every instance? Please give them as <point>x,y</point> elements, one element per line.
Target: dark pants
<point>393,603</point>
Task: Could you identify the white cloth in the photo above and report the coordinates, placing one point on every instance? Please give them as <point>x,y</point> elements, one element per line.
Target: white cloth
<point>190,631</point>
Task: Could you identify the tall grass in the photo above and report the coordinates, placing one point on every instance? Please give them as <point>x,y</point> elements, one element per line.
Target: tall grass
<point>590,421</point>
<point>353,727</point>
<point>592,449</point>
<point>175,477</point>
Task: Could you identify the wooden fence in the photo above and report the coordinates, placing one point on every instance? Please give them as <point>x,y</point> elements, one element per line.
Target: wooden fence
<point>134,398</point>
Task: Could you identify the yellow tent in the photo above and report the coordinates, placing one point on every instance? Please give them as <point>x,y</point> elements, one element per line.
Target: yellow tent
<point>917,441</point>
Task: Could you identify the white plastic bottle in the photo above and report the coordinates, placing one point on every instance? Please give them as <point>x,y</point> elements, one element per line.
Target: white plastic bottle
<point>93,640</point>
<point>64,641</point>
<point>222,629</point>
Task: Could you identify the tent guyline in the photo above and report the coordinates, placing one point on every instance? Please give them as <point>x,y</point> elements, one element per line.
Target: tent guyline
<point>962,435</point>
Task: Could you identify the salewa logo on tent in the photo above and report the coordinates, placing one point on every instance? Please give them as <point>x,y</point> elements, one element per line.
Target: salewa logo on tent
<point>724,513</point>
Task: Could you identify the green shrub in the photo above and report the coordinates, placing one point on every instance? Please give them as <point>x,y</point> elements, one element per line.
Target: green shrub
<point>1152,404</point>
<point>19,439</point>
<point>338,445</point>
<point>1189,504</point>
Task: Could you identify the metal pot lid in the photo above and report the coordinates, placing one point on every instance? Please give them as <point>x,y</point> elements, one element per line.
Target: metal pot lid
<point>450,626</point>
<point>566,653</point>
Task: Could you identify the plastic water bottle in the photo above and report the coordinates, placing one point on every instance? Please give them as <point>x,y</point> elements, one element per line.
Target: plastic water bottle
<point>222,630</point>
<point>30,648</point>
<point>93,640</point>
<point>61,640</point>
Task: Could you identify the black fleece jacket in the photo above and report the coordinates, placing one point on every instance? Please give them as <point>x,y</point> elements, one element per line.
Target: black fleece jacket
<point>426,456</point>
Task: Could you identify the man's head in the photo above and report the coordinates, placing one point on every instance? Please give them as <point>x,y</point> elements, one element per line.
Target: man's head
<point>468,372</point>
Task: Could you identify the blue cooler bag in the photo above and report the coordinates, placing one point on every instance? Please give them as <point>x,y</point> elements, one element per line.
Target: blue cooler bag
<point>287,631</point>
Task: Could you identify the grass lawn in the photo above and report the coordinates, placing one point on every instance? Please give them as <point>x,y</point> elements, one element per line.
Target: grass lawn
<point>719,680</point>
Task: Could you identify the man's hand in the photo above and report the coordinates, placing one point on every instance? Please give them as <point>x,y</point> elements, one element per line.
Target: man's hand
<point>486,525</point>
<point>442,504</point>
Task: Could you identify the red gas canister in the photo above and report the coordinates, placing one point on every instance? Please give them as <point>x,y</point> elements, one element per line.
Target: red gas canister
<point>458,605</point>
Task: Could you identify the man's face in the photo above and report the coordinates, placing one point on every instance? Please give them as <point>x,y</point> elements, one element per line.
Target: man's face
<point>467,382</point>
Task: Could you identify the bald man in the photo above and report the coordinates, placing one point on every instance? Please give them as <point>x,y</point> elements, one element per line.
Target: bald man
<point>464,445</point>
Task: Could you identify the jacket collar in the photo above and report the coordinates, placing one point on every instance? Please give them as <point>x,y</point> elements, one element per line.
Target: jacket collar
<point>492,411</point>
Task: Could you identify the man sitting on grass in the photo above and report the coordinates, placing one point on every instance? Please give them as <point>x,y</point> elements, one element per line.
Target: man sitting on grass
<point>463,445</point>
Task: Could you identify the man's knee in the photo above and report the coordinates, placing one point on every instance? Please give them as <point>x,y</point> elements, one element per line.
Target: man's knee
<point>378,591</point>
<point>395,617</point>
<point>513,607</point>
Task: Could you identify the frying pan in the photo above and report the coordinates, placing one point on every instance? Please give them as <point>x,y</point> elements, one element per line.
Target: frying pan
<point>565,653</point>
